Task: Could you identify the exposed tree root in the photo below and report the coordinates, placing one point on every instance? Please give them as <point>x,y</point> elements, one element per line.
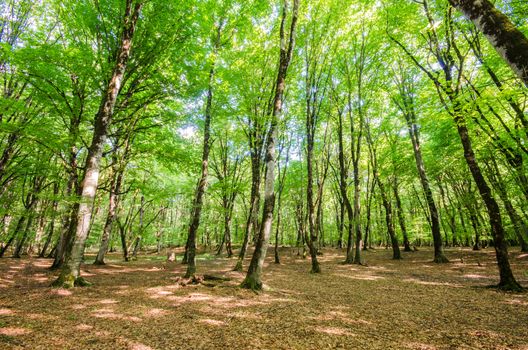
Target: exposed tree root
<point>69,281</point>
<point>441,259</point>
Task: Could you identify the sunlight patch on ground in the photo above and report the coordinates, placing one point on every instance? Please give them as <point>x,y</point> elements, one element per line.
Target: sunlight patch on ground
<point>139,346</point>
<point>83,327</point>
<point>335,331</point>
<point>40,279</point>
<point>111,314</point>
<point>419,346</point>
<point>43,263</point>
<point>213,322</point>
<point>62,292</point>
<point>87,274</point>
<point>429,283</point>
<point>108,301</point>
<point>35,316</point>
<point>13,331</point>
<point>475,276</point>
<point>155,312</point>
<point>361,277</point>
<point>516,302</point>
<point>6,312</point>
<point>484,334</point>
<point>7,281</point>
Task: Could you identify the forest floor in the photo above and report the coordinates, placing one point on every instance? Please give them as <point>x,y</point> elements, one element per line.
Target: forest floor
<point>407,304</point>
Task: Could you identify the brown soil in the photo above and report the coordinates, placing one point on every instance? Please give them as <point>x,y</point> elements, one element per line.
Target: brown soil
<point>407,304</point>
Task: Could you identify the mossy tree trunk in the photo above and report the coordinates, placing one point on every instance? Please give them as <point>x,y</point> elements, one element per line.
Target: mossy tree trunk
<point>502,34</point>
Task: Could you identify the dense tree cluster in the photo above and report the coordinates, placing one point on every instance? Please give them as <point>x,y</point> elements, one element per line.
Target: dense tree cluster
<point>130,125</point>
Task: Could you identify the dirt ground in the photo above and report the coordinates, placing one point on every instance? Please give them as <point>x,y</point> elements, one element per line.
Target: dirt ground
<point>407,304</point>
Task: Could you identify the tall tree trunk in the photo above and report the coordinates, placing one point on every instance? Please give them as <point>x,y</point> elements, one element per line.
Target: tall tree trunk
<point>434,216</point>
<point>70,274</point>
<point>18,250</point>
<point>277,231</point>
<point>389,220</point>
<point>502,34</point>
<point>51,227</point>
<point>384,198</point>
<point>401,217</point>
<point>202,182</point>
<point>507,280</point>
<point>370,194</point>
<point>113,199</point>
<point>252,219</point>
<point>343,190</point>
<point>341,222</point>
<point>253,277</point>
<point>311,239</point>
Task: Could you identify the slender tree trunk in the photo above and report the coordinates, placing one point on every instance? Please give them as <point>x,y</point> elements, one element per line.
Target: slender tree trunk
<point>22,241</point>
<point>384,198</point>
<point>341,222</point>
<point>439,256</point>
<point>49,236</point>
<point>202,182</point>
<point>401,218</point>
<point>124,247</point>
<point>311,239</point>
<point>343,190</point>
<point>389,220</point>
<point>370,194</point>
<point>253,209</point>
<point>113,199</point>
<point>277,229</point>
<point>70,273</point>
<point>357,209</point>
<point>51,226</point>
<point>227,233</point>
<point>253,277</point>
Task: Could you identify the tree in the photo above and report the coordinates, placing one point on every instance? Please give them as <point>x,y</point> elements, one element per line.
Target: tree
<point>253,277</point>
<point>70,273</point>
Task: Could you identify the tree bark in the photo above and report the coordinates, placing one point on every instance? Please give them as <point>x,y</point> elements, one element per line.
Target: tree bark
<point>253,277</point>
<point>202,182</point>
<point>251,223</point>
<point>113,202</point>
<point>407,108</point>
<point>502,34</point>
<point>401,217</point>
<point>343,189</point>
<point>70,274</point>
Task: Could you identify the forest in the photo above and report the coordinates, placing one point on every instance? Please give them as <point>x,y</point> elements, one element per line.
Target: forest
<point>263,174</point>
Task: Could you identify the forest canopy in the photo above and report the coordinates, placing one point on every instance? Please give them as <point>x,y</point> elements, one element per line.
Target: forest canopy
<point>138,126</point>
